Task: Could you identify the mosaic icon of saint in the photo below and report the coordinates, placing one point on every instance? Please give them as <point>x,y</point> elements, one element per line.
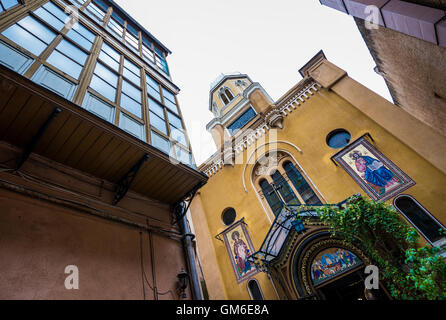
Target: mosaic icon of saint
<point>374,172</point>
<point>241,252</point>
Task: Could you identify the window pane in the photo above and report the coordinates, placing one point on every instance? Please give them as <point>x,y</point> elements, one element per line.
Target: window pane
<point>172,106</point>
<point>301,184</point>
<point>36,28</point>
<point>183,155</point>
<point>132,67</point>
<point>65,64</point>
<point>420,218</point>
<point>271,197</point>
<point>115,55</point>
<point>25,39</point>
<point>160,142</point>
<point>95,12</point>
<point>132,77</point>
<point>116,28</point>
<point>158,123</point>
<point>284,188</point>
<point>52,15</point>
<point>156,107</point>
<point>152,83</point>
<point>131,91</point>
<point>106,59</point>
<point>147,54</point>
<point>178,136</point>
<point>82,36</point>
<point>131,105</point>
<point>242,121</point>
<point>72,51</point>
<point>131,126</point>
<point>103,88</point>
<point>168,95</point>
<point>174,120</point>
<point>9,3</point>
<point>154,93</point>
<point>106,74</point>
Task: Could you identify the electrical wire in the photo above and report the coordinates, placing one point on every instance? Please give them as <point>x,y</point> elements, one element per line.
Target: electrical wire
<point>59,188</point>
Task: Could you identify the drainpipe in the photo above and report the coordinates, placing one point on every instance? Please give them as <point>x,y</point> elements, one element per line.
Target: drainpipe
<point>190,255</point>
<point>180,210</point>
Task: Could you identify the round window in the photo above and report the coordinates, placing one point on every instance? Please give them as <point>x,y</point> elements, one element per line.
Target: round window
<point>338,138</point>
<point>228,216</point>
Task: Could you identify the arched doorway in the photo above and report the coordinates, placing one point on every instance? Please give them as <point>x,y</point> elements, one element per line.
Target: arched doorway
<point>328,269</point>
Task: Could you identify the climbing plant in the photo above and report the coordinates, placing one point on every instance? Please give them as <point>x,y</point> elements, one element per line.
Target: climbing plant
<point>409,270</point>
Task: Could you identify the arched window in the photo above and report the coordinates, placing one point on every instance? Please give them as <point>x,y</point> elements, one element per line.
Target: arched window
<point>254,290</point>
<point>419,217</point>
<point>229,94</point>
<point>224,99</point>
<point>226,95</point>
<point>284,188</point>
<point>301,185</point>
<point>271,196</point>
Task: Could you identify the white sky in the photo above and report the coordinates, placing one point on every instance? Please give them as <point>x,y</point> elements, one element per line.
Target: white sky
<point>268,40</point>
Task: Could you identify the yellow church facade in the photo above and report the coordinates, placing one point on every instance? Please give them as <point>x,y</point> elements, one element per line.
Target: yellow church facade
<point>324,140</point>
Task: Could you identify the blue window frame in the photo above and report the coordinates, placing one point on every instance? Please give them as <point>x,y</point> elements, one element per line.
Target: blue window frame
<point>30,34</point>
<point>241,121</point>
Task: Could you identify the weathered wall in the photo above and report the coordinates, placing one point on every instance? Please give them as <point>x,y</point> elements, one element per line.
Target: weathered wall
<point>46,226</point>
<point>414,71</point>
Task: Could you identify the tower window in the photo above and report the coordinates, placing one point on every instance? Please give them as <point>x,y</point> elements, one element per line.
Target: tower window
<point>241,121</point>
<point>226,95</point>
<point>420,218</point>
<point>229,216</point>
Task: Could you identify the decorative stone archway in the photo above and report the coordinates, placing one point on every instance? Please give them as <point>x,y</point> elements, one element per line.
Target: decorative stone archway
<point>303,261</point>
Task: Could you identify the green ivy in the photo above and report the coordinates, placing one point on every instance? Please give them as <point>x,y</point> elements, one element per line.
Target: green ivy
<point>409,271</point>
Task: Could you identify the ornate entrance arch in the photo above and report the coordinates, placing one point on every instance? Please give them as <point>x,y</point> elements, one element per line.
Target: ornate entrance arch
<point>323,261</point>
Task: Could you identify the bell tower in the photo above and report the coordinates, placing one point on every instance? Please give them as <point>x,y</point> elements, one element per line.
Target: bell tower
<point>235,101</point>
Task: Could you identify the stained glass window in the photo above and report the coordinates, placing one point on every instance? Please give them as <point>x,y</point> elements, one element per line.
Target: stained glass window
<point>284,188</point>
<point>271,197</point>
<point>301,185</point>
